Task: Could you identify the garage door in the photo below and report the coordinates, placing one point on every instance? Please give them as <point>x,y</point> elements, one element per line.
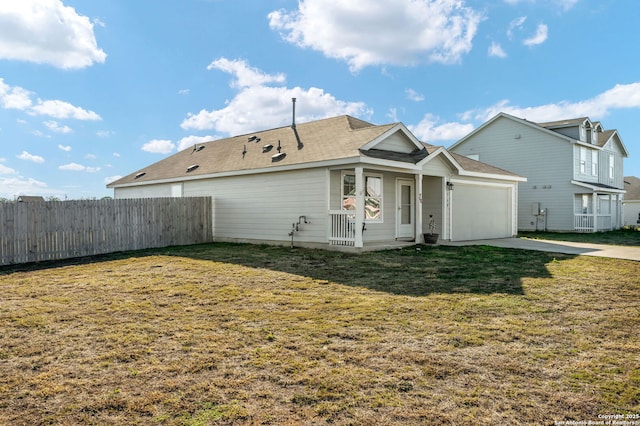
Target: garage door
<point>480,212</point>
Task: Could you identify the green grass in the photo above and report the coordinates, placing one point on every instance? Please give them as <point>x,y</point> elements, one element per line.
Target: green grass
<point>628,236</point>
<point>240,334</point>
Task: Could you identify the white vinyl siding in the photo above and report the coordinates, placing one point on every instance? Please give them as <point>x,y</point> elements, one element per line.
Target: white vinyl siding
<point>264,207</point>
<point>545,160</point>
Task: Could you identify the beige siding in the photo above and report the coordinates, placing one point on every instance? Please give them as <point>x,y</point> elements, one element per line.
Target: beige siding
<point>144,191</point>
<point>547,163</point>
<point>397,142</point>
<point>631,210</point>
<point>264,207</point>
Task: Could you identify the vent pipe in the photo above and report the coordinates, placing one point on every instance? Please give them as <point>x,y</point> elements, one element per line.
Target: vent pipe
<point>293,120</point>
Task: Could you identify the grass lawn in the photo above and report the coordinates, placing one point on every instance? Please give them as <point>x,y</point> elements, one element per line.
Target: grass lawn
<point>621,237</point>
<point>239,334</point>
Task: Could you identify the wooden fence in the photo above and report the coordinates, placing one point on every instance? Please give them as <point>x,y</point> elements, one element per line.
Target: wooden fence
<point>37,231</point>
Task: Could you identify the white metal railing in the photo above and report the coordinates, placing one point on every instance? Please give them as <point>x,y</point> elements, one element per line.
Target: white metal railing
<point>585,222</point>
<point>342,227</point>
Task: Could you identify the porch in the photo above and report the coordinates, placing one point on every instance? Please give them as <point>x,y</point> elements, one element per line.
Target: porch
<point>592,222</point>
<point>597,212</point>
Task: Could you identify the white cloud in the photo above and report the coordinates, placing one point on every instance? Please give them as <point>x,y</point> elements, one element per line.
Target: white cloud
<point>413,95</point>
<point>496,50</point>
<point>11,187</point>
<point>621,96</point>
<point>90,157</point>
<point>15,97</point>
<point>64,148</point>
<point>55,127</point>
<point>190,141</point>
<point>429,129</point>
<point>116,154</point>
<point>30,157</point>
<point>47,31</point>
<point>184,91</point>
<point>541,35</point>
<point>257,107</point>
<point>75,167</point>
<point>110,179</point>
<point>515,24</point>
<point>379,32</point>
<point>62,110</point>
<point>159,146</point>
<point>4,170</point>
<point>245,76</point>
<point>105,133</point>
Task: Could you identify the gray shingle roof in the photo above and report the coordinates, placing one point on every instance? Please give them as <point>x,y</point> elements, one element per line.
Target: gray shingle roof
<point>326,139</point>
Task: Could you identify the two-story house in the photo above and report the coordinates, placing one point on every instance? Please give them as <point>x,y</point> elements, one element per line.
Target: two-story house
<point>574,170</point>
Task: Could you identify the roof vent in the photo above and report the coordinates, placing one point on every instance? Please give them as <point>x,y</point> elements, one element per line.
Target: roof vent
<point>267,148</point>
<point>277,157</point>
<point>200,148</point>
<point>192,168</point>
<point>139,175</point>
<point>254,139</point>
<point>244,151</point>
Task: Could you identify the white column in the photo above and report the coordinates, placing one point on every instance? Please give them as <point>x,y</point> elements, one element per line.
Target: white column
<point>418,209</point>
<point>359,205</point>
<point>594,202</point>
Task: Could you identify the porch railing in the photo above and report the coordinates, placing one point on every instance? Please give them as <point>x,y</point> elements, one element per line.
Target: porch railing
<point>342,228</point>
<point>585,222</point>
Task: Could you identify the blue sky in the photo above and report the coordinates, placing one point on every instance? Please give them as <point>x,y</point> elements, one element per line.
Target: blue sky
<point>94,90</point>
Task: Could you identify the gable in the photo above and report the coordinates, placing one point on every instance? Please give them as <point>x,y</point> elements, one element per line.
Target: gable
<point>396,142</point>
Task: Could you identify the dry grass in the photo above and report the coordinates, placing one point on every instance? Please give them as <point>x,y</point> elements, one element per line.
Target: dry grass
<point>235,334</point>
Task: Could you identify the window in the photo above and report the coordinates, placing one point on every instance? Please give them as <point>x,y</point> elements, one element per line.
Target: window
<point>594,163</point>
<point>612,168</point>
<point>372,196</point>
<point>583,160</point>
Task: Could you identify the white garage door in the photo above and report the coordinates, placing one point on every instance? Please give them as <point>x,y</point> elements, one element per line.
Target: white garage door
<point>480,212</point>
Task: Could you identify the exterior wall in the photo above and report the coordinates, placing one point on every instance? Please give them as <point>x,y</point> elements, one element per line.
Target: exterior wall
<point>264,207</point>
<point>546,162</point>
<point>618,170</point>
<point>432,203</point>
<point>144,191</point>
<point>631,212</point>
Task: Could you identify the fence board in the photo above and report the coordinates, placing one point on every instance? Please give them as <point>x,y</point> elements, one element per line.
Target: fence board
<point>32,232</point>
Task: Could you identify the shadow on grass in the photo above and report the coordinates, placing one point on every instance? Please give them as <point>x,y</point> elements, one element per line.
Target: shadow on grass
<point>411,271</point>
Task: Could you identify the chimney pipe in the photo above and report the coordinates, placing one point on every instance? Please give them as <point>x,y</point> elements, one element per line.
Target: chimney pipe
<point>293,122</point>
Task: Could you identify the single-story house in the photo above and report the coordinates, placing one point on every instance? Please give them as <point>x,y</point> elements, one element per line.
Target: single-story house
<point>338,181</point>
<point>631,202</point>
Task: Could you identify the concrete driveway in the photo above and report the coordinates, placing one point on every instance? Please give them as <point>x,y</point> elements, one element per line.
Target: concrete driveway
<point>566,247</point>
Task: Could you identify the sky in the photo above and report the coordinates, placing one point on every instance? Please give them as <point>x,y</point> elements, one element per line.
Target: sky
<point>94,90</point>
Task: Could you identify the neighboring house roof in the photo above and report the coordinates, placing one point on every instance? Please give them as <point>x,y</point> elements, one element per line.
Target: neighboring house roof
<point>327,140</point>
<point>632,186</point>
<point>603,137</point>
<point>30,199</point>
<point>563,123</point>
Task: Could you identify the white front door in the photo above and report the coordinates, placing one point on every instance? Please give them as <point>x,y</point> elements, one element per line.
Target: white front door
<point>405,226</point>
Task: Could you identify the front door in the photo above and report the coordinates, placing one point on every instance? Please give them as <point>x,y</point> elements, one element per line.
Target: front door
<point>405,227</point>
